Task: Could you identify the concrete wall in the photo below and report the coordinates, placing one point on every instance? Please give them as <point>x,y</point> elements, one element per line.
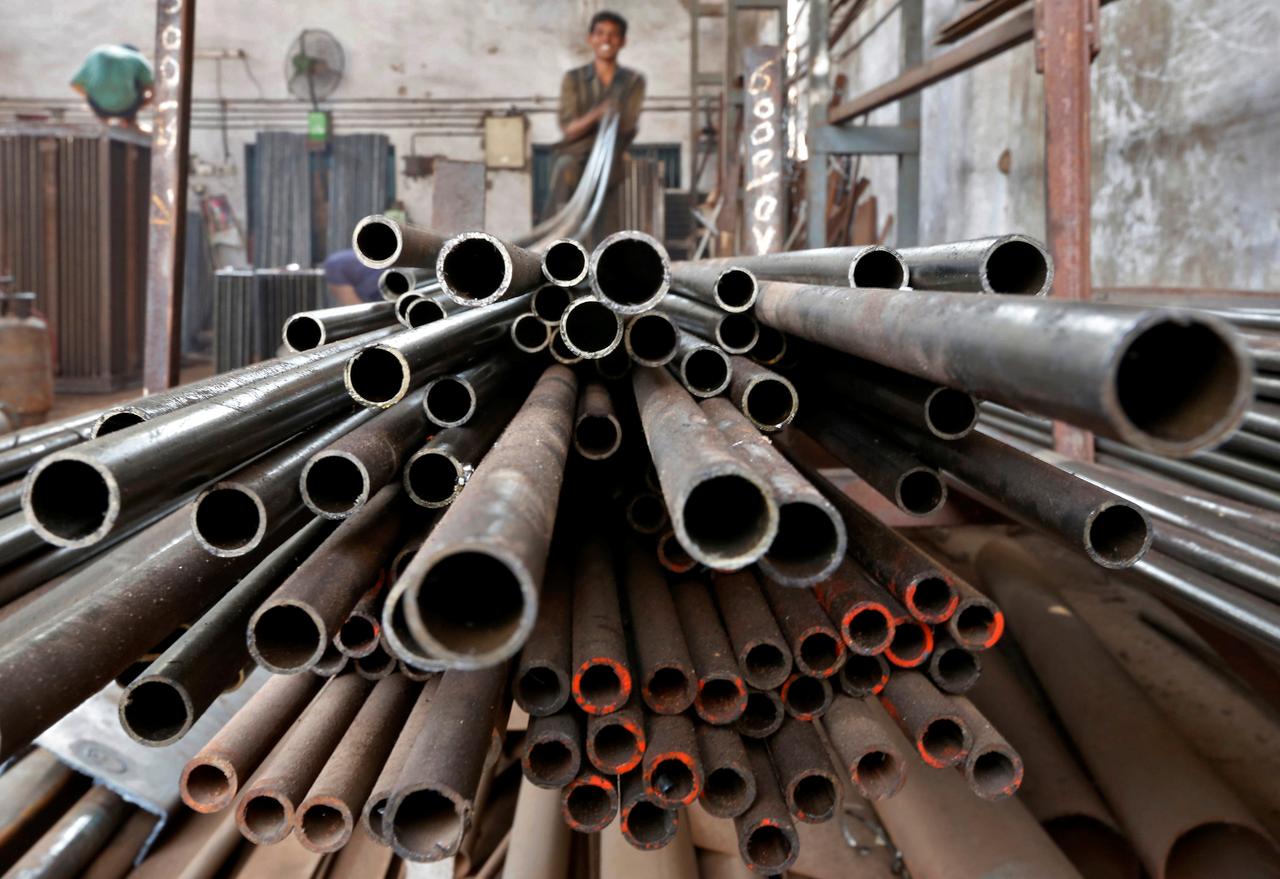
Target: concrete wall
<point>1186,141</point>
<point>394,49</point>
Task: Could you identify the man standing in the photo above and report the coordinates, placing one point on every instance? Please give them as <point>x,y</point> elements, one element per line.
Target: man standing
<point>587,94</point>
<point>117,81</point>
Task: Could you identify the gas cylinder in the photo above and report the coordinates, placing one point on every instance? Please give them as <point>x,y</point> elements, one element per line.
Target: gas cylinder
<point>26,361</point>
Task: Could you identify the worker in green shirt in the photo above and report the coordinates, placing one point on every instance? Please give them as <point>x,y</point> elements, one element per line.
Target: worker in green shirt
<point>116,81</point>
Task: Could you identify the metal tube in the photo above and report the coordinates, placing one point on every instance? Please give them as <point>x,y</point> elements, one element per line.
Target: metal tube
<point>382,375</point>
<point>809,784</point>
<point>436,473</point>
<point>763,654</point>
<point>857,606</point>
<point>161,704</point>
<point>942,411</point>
<point>373,814</point>
<point>630,272</point>
<point>602,680</point>
<point>425,308</point>
<point>70,846</point>
<point>616,742</point>
<point>17,539</point>
<point>767,840</point>
<point>650,339</point>
<point>553,749</point>
<point>1012,264</point>
<point>993,769</point>
<point>529,334</point>
<point>290,631</point>
<point>977,623</point>
<point>395,282</point>
<point>805,697</point>
<point>327,816</point>
<point>763,715</point>
<point>590,328</point>
<point>339,479</point>
<point>735,333</point>
<point>430,810</point>
<point>811,538</point>
<point>645,823</point>
<point>78,424</point>
<point>952,668</point>
<point>672,555</point>
<point>646,513</point>
<point>729,786</point>
<point>404,304</point>
<point>15,462</point>
<point>232,516</point>
<point>382,242</point>
<point>1170,382</point>
<point>265,811</point>
<point>816,646</point>
<point>596,431</point>
<point>721,695</point>
<point>359,634</point>
<point>767,399</point>
<point>703,368</point>
<point>549,301</point>
<point>770,346</point>
<point>564,262</point>
<point>560,352</point>
<point>212,778</point>
<point>499,530</point>
<point>672,769</point>
<point>856,266</point>
<point>376,665</point>
<point>1195,548</point>
<point>452,400</point>
<point>870,750</point>
<point>729,288</point>
<point>934,722</point>
<point>332,662</point>
<point>589,802</point>
<point>542,685</point>
<point>863,676</point>
<point>666,671</point>
<point>888,466</point>
<point>308,330</point>
<point>724,515</point>
<point>615,365</point>
<point>476,269</point>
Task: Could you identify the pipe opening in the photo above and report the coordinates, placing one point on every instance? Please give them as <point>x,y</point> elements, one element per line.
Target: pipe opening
<point>590,805</point>
<point>770,403</point>
<point>735,289</point>
<point>820,652</point>
<point>920,492</point>
<point>614,365</point>
<point>720,697</point>
<point>672,554</point>
<point>331,661</point>
<point>358,634</point>
<point>286,637</point>
<point>566,262</point>
<point>377,241</point>
<point>806,696</point>
<point>265,817</point>
<point>560,351</point>
<point>228,519</point>
<point>426,822</point>
<point>646,513</point>
<point>1118,536</point>
<point>725,790</point>
<point>449,401</point>
<point>994,775</point>
<point>862,675</point>
<point>630,272</point>
<point>737,333</point>
<point>303,333</point>
<point>652,339</point>
<point>615,746</point>
<point>727,517</point>
<point>672,779</point>
<point>669,689</point>
<point>1017,267</point>
<point>1221,849</point>
<point>591,327</point>
<point>597,436</point>
<point>1178,382</point>
<point>378,663</point>
<point>465,619</point>
<point>768,847</point>
<point>541,689</point>
<point>950,414</point>
<point>376,375</point>
<point>866,629</point>
<point>551,760</point>
<point>766,663</point>
<point>434,477</point>
<point>878,774</point>
<point>706,371</point>
<point>878,268</point>
<point>474,269</point>
<point>70,499</point>
<point>910,641</point>
<point>529,333</point>
<point>377,812</point>
<point>208,786</point>
<point>424,311</point>
<point>770,345</point>
<point>976,624</point>
<point>117,421</point>
<point>814,796</point>
<point>931,598</point>
<point>806,540</point>
<point>650,824</point>
<point>600,685</point>
<point>943,740</point>
<point>396,282</point>
<point>334,484</point>
<point>155,711</point>
<point>324,826</point>
<point>762,716</point>
<point>549,303</point>
<point>957,668</point>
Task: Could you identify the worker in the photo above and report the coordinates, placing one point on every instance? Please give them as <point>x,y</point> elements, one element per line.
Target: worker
<point>117,82</point>
<point>587,94</point>
<point>350,281</point>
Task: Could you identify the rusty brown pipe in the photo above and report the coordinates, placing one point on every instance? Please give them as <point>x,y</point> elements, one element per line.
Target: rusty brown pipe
<point>722,694</point>
<point>763,654</point>
<point>602,679</point>
<point>553,749</point>
<point>870,749</point>
<point>666,676</point>
<point>542,685</point>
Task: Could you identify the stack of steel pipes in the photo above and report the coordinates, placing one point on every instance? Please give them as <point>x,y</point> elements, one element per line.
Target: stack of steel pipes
<point>585,484</point>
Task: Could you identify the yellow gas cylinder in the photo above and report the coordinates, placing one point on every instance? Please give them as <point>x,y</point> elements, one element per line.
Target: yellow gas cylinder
<point>26,361</point>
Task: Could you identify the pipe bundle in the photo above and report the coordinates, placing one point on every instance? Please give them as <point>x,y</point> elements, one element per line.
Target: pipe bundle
<point>584,483</point>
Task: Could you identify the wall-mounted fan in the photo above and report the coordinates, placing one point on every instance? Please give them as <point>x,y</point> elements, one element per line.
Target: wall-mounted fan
<point>313,67</point>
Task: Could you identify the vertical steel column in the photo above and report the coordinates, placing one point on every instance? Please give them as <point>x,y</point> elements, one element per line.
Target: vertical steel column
<point>911,18</point>
<point>819,99</point>
<point>166,245</point>
<point>1066,41</point>
<point>764,202</point>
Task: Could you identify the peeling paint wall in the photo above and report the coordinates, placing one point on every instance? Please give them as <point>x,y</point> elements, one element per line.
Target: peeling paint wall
<point>1186,141</point>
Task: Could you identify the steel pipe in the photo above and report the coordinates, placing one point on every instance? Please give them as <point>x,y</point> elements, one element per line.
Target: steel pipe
<point>549,301</point>
<point>703,368</point>
<point>476,268</point>
<point>541,685</point>
<point>763,654</point>
<point>382,242</point>
<point>763,715</point>
<point>767,840</point>
<point>529,334</point>
<point>650,339</point>
<point>553,749</point>
<point>809,784</point>
<point>373,814</point>
<point>729,288</point>
<point>858,607</point>
<point>308,330</point>
<point>602,679</point>
<point>856,266</point>
<point>734,333</point>
<point>934,722</point>
<point>721,695</point>
<point>436,473</point>
<point>805,697</point>
<point>816,647</point>
<point>564,262</point>
<point>1010,264</point>
<point>729,785</point>
<point>870,750</point>
<point>630,272</point>
<point>666,671</point>
<point>395,282</point>
<point>590,328</point>
<point>767,399</point>
<point>616,742</point>
<point>451,400</point>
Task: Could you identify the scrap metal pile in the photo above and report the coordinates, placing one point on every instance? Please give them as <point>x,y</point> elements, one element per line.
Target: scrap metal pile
<point>599,485</point>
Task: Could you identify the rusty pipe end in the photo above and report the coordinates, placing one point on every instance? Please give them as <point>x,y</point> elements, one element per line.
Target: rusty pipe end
<point>589,802</point>
<point>769,847</point>
<point>378,241</point>
<point>669,689</point>
<point>648,826</point>
<point>867,628</point>
<point>813,796</point>
<point>931,598</point>
<point>728,791</point>
<point>672,779</point>
<point>977,623</point>
<point>601,685</point>
<point>264,816</point>
<point>377,377</point>
<point>911,644</point>
<point>920,491</point>
<point>809,545</point>
<point>720,699</point>
<point>286,637</point>
<point>359,635</point>
<point>994,771</point>
<point>863,676</point>
<point>770,347</point>
<point>597,436</point>
<point>945,740</point>
<point>646,513</point>
<point>590,328</point>
<point>630,271</point>
<point>737,333</point>
<point>728,519</point>
<point>763,715</point>
<point>449,401</point>
<point>705,371</point>
<point>324,824</point>
<point>878,774</point>
<point>954,669</point>
<point>433,478</point>
<point>672,555</point>
<point>735,290</point>
<point>428,822</point>
<point>805,697</point>
<point>552,760</point>
<point>765,664</point>
<point>156,711</point>
<point>650,339</point>
<point>229,520</point>
<point>529,334</point>
<point>541,689</point>
<point>71,500</point>
<point>878,266</point>
<point>820,652</point>
<point>770,402</point>
<point>208,783</point>
<point>564,262</point>
<point>474,268</point>
<point>302,332</point>
<point>1117,534</point>
<point>334,484</point>
<point>560,352</point>
<point>616,742</point>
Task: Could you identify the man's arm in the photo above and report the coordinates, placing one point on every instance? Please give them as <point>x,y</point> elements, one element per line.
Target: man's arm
<point>344,294</point>
<point>632,102</point>
<point>575,123</point>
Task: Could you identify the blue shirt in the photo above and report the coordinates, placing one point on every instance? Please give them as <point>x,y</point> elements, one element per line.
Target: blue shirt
<point>343,267</point>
